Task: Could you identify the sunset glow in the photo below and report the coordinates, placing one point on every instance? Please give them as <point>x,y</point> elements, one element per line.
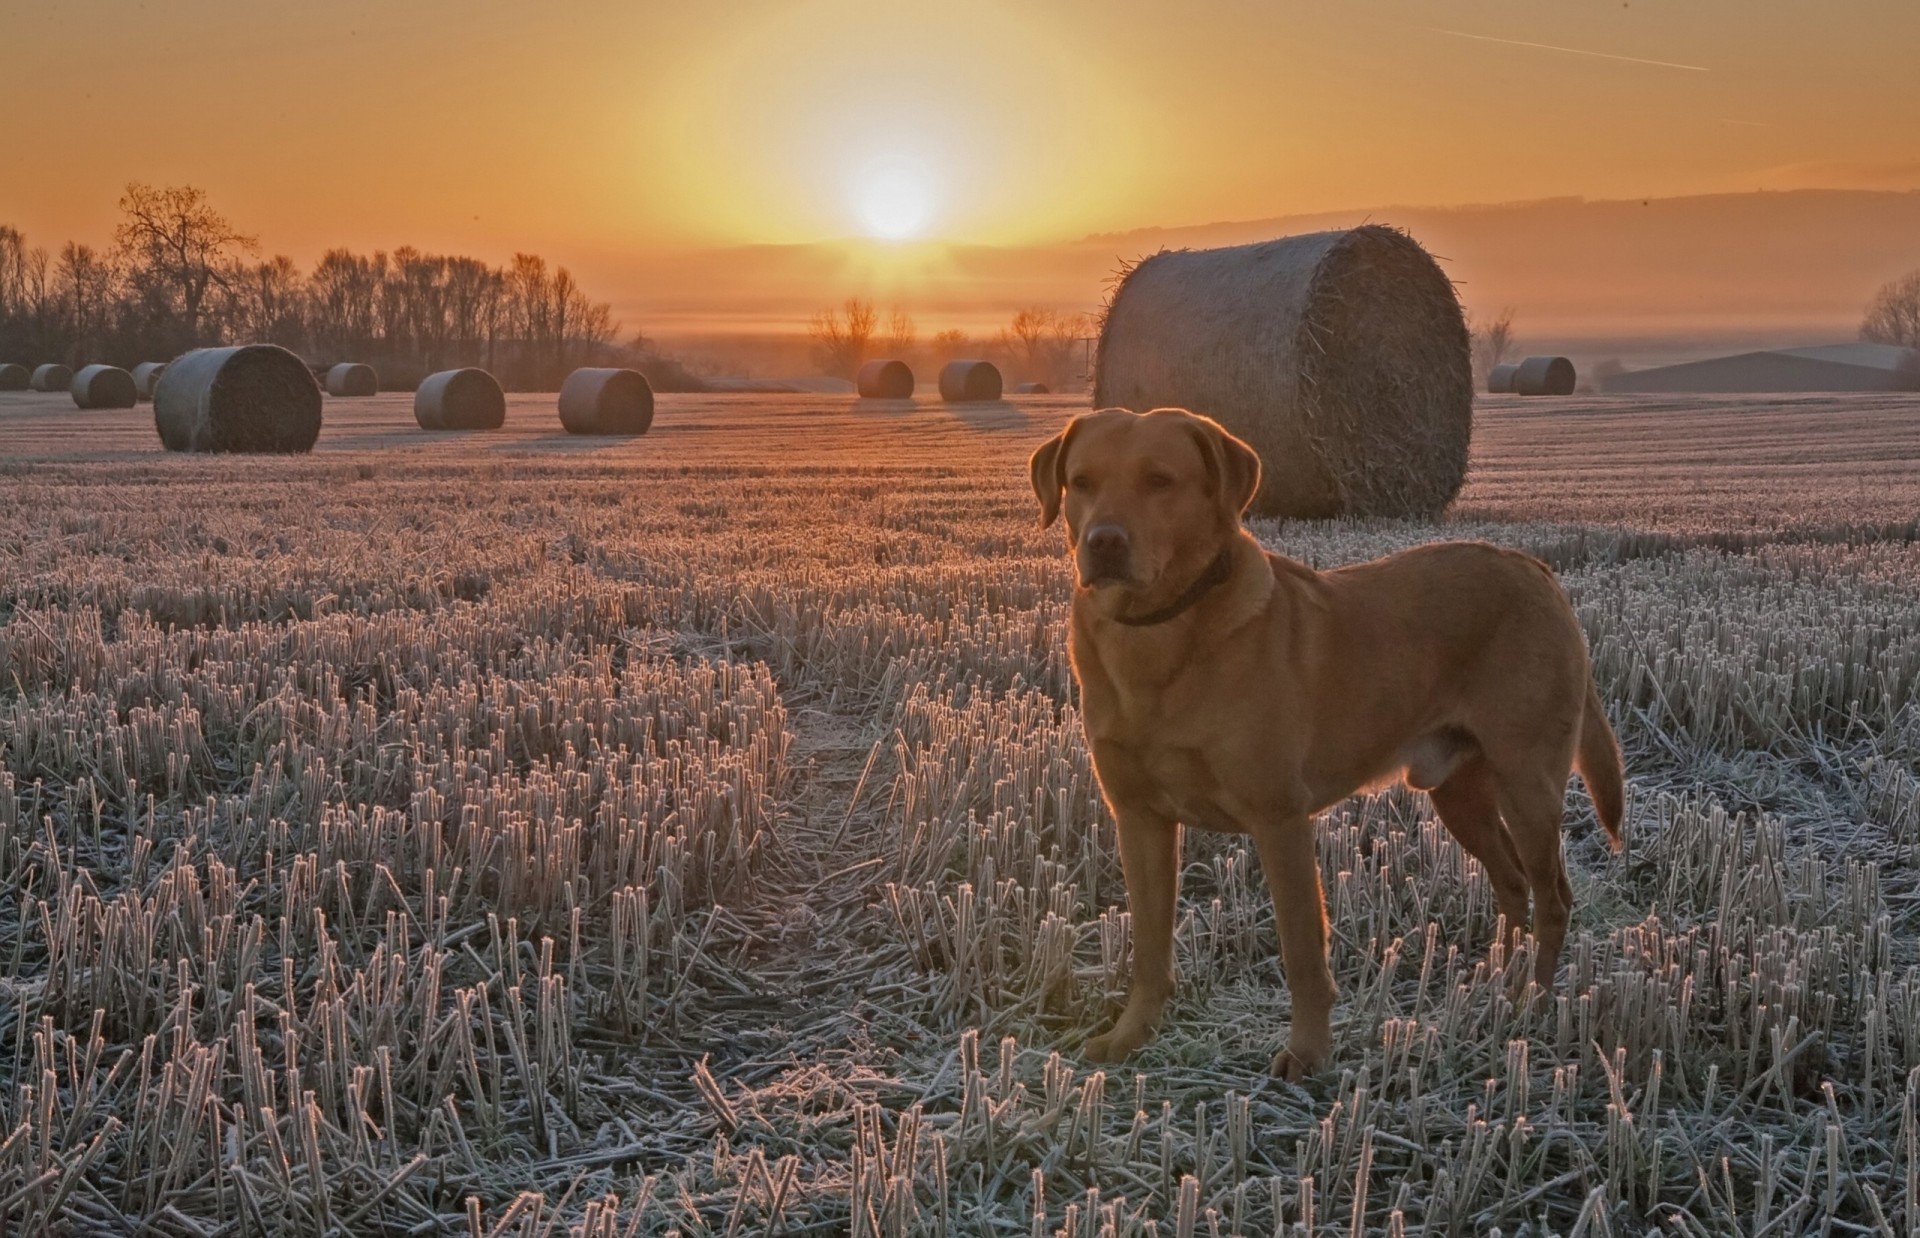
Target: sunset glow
<point>662,152</point>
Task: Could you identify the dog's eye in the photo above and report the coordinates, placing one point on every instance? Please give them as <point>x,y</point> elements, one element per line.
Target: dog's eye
<point>1080,481</point>
<point>1158,481</point>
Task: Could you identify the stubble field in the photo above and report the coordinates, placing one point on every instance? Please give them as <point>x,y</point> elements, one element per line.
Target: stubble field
<point>515,834</point>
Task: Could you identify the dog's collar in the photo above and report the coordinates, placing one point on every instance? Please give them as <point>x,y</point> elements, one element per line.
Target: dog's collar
<point>1217,574</point>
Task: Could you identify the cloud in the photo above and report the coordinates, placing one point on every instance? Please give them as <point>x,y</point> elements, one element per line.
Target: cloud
<point>1843,174</point>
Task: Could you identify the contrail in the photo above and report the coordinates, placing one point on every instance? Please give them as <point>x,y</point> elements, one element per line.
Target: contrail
<point>1572,51</point>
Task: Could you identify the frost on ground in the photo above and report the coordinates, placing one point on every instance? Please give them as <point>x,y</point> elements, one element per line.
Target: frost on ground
<point>503,834</point>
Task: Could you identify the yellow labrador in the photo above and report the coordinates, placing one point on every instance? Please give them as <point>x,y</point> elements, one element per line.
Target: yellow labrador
<point>1233,689</point>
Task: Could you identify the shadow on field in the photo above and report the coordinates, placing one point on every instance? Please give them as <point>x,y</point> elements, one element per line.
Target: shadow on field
<point>568,444</point>
<point>867,404</point>
<point>991,415</point>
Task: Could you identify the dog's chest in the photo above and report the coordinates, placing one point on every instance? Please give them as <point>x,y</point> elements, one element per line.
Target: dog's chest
<point>1189,789</point>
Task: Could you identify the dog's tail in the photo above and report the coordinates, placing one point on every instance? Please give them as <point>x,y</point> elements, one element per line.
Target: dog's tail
<point>1598,760</point>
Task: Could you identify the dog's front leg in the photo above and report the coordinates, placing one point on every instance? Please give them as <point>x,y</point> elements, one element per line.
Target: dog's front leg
<point>1292,865</point>
<point>1150,856</point>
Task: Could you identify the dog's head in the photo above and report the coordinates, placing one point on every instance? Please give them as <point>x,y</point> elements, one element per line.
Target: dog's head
<point>1148,496</point>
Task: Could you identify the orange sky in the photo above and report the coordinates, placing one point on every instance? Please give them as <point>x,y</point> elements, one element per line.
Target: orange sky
<point>602,134</point>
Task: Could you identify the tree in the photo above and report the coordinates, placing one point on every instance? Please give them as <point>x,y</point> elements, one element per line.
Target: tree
<point>840,337</point>
<point>949,344</point>
<point>1042,345</point>
<point>84,287</point>
<point>1492,340</point>
<point>902,336</point>
<point>1893,316</point>
<point>270,303</point>
<point>179,247</point>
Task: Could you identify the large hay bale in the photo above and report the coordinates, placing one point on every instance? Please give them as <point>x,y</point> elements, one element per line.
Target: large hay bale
<point>1544,376</point>
<point>350,378</point>
<point>969,382</point>
<point>1341,357</point>
<point>256,398</point>
<point>1500,378</point>
<point>1032,389</point>
<point>468,399</point>
<point>51,377</point>
<point>606,401</point>
<point>884,380</point>
<point>14,377</point>
<point>146,376</point>
<point>104,386</point>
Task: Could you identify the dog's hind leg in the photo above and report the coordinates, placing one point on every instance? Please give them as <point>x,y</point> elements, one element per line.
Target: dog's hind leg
<point>1533,806</point>
<point>1469,806</point>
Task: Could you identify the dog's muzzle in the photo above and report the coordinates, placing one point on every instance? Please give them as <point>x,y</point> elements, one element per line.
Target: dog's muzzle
<point>1106,555</point>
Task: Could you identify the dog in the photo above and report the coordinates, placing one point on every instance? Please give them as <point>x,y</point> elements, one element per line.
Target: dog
<point>1229,688</point>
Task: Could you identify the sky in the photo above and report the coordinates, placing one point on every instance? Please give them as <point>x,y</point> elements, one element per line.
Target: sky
<point>617,136</point>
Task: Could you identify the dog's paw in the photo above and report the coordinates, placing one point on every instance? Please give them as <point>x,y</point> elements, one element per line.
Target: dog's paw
<point>1292,1065</point>
<point>1114,1046</point>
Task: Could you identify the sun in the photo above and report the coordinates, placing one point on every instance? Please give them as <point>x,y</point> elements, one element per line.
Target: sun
<point>893,198</point>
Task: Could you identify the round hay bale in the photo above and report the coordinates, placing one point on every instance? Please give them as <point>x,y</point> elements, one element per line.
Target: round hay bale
<point>606,401</point>
<point>146,376</point>
<point>1500,378</point>
<point>1544,376</point>
<point>885,380</point>
<point>104,386</point>
<point>256,398</point>
<point>51,377</point>
<point>1032,389</point>
<point>14,377</point>
<point>350,378</point>
<point>1341,357</point>
<point>468,399</point>
<point>969,382</point>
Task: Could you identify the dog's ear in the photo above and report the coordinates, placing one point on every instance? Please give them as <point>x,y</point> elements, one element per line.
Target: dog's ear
<point>1232,466</point>
<point>1049,469</point>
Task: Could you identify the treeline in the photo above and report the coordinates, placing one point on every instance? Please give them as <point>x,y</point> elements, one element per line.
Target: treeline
<point>180,276</point>
<point>1037,345</point>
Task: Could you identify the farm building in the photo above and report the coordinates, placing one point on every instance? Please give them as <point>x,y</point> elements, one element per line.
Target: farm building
<point>1829,367</point>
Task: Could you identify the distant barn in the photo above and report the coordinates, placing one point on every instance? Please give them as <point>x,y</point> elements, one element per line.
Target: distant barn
<point>1830,367</point>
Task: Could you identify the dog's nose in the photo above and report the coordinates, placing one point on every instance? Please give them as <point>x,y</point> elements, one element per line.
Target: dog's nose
<point>1107,546</point>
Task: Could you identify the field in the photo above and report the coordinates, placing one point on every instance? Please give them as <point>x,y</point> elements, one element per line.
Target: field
<point>511,834</point>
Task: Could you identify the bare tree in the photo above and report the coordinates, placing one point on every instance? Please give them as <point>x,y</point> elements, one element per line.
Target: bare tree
<point>1493,340</point>
<point>343,296</point>
<point>949,345</point>
<point>270,303</point>
<point>84,288</point>
<point>1042,345</point>
<point>1893,316</point>
<point>840,337</point>
<point>902,336</point>
<point>180,246</point>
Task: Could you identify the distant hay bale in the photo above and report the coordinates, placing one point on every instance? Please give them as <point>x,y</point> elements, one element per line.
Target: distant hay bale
<point>885,380</point>
<point>606,401</point>
<point>1032,389</point>
<point>1341,357</point>
<point>1544,376</point>
<point>146,376</point>
<point>350,378</point>
<point>51,377</point>
<point>1500,378</point>
<point>104,386</point>
<point>256,398</point>
<point>468,399</point>
<point>969,382</point>
<point>14,377</point>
